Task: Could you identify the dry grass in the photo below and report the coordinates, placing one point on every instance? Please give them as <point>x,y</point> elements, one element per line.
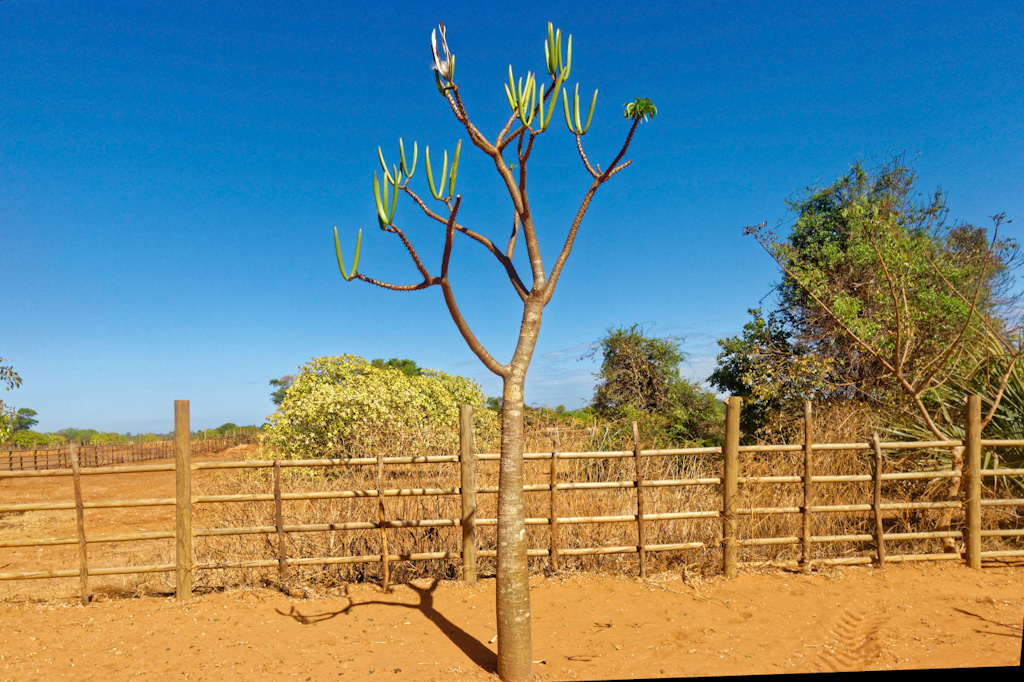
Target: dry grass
<point>542,437</point>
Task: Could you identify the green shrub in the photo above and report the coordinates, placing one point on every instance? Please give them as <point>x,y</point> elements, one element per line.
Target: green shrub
<point>345,406</point>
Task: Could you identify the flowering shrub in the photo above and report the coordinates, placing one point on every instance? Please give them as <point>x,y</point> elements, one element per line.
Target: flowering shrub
<point>344,406</point>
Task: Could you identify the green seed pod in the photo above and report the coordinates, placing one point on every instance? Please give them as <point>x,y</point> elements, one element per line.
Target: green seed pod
<point>377,199</point>
<point>549,49</point>
<point>455,169</point>
<point>564,74</point>
<point>406,168</point>
<point>576,109</point>
<point>394,198</point>
<point>430,174</point>
<point>565,107</point>
<point>593,101</point>
<point>511,100</point>
<point>383,165</point>
<point>355,259</point>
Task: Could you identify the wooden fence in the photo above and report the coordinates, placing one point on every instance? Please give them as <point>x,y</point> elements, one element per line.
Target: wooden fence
<point>59,457</point>
<point>727,483</point>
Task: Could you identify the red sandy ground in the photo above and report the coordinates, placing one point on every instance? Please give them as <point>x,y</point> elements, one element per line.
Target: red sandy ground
<point>585,627</point>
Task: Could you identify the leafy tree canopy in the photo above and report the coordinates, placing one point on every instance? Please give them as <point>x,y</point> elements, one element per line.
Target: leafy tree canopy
<point>639,380</point>
<point>281,388</point>
<point>10,379</point>
<point>338,404</point>
<point>880,300</point>
<point>407,367</point>
<point>24,419</point>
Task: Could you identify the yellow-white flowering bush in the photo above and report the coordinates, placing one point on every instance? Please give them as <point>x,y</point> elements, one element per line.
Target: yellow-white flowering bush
<point>344,406</point>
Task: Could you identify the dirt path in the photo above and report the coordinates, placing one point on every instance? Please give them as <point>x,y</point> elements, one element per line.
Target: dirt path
<point>585,627</point>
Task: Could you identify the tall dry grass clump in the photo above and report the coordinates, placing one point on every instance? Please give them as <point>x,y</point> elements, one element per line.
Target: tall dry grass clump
<point>544,435</point>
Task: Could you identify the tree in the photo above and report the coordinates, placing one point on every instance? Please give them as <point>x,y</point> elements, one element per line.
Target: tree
<point>878,281</point>
<point>859,240</point>
<point>637,371</point>
<point>772,372</point>
<point>532,106</point>
<point>340,404</point>
<point>10,379</point>
<point>281,385</point>
<point>639,377</point>
<point>23,419</point>
<point>407,367</point>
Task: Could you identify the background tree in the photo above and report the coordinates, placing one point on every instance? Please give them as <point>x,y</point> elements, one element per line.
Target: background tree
<point>338,405</point>
<point>281,388</point>
<point>24,419</point>
<point>774,374</point>
<point>640,380</point>
<point>856,242</point>
<point>10,379</point>
<point>876,280</point>
<point>532,105</point>
<point>407,367</point>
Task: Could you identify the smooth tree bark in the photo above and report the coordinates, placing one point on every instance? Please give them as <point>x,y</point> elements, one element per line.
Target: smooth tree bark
<point>532,108</point>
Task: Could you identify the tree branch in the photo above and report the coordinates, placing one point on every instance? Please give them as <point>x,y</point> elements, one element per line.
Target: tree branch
<point>583,155</point>
<point>397,287</point>
<point>570,238</point>
<point>897,356</point>
<point>453,308</point>
<point>505,260</point>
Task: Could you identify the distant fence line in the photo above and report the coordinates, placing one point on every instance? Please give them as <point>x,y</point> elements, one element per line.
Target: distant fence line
<point>59,457</point>
<point>726,483</point>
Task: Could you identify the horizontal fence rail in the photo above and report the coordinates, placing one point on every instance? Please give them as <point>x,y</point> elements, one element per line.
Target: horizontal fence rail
<point>738,523</point>
<point>59,457</point>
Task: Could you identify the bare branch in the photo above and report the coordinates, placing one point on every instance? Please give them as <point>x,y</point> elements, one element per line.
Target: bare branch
<point>529,234</point>
<point>625,146</point>
<point>897,356</point>
<point>453,308</point>
<point>556,271</point>
<point>982,318</point>
<point>861,342</point>
<point>505,260</point>
<point>1004,380</point>
<point>397,287</point>
<point>621,166</point>
<point>971,310</point>
<point>459,109</point>
<point>570,238</point>
<point>583,155</point>
<point>510,249</point>
<point>393,229</point>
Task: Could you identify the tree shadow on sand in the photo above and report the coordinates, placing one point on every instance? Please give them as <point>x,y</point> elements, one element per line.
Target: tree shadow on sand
<point>469,645</point>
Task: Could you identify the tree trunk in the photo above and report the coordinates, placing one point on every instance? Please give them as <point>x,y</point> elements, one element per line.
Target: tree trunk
<point>515,641</point>
<point>515,638</point>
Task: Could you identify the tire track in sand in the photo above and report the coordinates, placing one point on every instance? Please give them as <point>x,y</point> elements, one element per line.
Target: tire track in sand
<point>857,643</point>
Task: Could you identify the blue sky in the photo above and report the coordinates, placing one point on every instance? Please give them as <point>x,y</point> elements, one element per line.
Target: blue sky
<point>170,174</point>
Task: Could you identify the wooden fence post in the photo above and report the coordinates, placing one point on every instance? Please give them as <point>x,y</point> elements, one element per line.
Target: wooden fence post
<point>972,443</point>
<point>641,531</point>
<point>877,498</point>
<point>83,562</point>
<point>468,494</point>
<point>183,497</point>
<point>805,561</point>
<point>730,455</point>
<point>554,510</point>
<point>381,521</point>
<point>282,549</point>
